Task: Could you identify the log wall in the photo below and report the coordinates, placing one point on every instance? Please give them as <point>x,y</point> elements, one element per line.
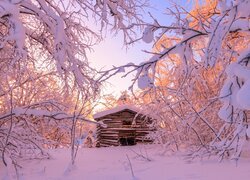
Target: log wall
<point>120,128</point>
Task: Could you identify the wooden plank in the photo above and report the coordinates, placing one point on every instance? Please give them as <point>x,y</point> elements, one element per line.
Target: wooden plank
<point>109,132</point>
<point>109,140</point>
<point>115,130</point>
<point>120,128</point>
<point>108,137</point>
<point>110,143</point>
<point>104,145</point>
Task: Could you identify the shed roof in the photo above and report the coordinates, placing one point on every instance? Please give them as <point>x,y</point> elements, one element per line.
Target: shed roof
<point>115,110</point>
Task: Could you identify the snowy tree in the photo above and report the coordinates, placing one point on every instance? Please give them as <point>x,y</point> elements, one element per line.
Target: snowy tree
<point>124,98</point>
<point>109,101</point>
<point>203,48</point>
<point>45,77</point>
<point>210,38</point>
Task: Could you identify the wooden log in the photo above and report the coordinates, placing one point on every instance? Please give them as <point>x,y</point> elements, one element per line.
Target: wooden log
<point>107,140</point>
<point>109,143</point>
<point>104,145</point>
<point>109,132</point>
<point>108,137</point>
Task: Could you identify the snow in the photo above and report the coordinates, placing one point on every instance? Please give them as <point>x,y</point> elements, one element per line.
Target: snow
<point>115,110</point>
<point>121,69</point>
<point>236,69</point>
<point>248,131</point>
<point>223,6</point>
<point>244,8</point>
<point>231,92</point>
<point>148,34</point>
<point>17,32</point>
<point>235,91</point>
<point>225,113</point>
<point>243,96</point>
<point>112,164</point>
<point>38,112</point>
<point>226,91</point>
<point>240,24</point>
<point>144,81</point>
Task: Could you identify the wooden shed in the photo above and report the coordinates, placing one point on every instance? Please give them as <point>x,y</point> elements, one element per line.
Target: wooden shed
<point>124,125</point>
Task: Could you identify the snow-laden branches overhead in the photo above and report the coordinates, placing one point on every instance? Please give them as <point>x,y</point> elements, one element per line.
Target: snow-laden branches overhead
<point>217,41</point>
<point>210,26</point>
<point>61,30</point>
<point>43,45</point>
<point>192,58</point>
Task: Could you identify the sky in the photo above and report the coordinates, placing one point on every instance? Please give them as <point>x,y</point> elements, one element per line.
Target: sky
<point>112,52</point>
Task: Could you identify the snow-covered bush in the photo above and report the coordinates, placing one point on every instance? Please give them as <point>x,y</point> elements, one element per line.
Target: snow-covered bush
<point>208,41</point>
<point>202,49</point>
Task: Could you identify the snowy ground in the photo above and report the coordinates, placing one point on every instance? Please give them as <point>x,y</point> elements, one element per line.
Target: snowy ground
<point>113,164</point>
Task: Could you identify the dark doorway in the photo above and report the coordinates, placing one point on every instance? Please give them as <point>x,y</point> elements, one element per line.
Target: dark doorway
<point>127,141</point>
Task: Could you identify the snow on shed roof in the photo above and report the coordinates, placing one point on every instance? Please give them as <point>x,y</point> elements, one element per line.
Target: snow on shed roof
<point>115,110</point>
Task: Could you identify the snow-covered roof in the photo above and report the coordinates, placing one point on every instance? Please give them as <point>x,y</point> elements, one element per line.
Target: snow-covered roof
<point>115,110</point>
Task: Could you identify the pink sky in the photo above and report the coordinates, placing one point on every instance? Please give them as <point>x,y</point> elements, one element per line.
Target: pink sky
<point>111,51</point>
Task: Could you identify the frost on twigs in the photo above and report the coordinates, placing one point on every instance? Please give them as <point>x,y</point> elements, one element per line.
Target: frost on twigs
<point>9,14</point>
<point>120,15</point>
<point>243,96</point>
<point>145,74</point>
<point>47,86</point>
<point>235,92</point>
<point>202,76</point>
<point>59,33</point>
<point>235,96</point>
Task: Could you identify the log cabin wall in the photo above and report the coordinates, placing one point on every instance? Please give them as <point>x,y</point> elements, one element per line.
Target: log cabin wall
<point>121,130</point>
